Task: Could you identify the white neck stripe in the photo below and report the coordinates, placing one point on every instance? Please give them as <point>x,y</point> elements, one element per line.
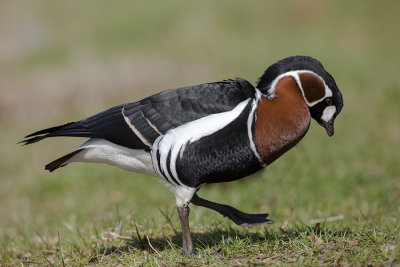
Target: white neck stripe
<point>250,122</point>
<point>295,75</point>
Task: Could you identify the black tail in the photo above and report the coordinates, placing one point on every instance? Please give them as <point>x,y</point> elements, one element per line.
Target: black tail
<point>109,125</point>
<point>69,129</point>
<point>61,161</point>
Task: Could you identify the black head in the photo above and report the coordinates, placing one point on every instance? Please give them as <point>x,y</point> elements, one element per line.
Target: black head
<point>319,89</point>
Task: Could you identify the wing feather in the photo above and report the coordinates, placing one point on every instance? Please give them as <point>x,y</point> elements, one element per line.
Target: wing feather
<point>157,114</point>
<point>137,125</point>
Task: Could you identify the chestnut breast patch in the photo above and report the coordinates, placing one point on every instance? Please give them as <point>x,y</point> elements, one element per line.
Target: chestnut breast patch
<point>281,122</point>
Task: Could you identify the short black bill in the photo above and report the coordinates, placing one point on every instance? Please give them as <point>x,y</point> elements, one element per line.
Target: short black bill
<point>328,127</point>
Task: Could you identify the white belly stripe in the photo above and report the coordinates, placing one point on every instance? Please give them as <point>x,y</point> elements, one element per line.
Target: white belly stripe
<point>174,140</point>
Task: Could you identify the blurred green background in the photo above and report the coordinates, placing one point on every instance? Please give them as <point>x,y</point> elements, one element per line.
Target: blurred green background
<point>62,61</point>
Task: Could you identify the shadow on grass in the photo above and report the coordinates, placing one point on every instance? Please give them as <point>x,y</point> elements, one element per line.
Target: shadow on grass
<point>218,238</point>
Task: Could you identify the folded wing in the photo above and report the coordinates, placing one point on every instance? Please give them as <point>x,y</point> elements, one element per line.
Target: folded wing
<point>157,114</point>
<point>136,125</point>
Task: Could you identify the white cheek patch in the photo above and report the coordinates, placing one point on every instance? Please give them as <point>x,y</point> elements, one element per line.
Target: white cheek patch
<point>328,113</point>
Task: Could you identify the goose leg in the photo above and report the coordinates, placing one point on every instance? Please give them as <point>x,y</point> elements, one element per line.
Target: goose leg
<point>187,245</point>
<point>237,216</point>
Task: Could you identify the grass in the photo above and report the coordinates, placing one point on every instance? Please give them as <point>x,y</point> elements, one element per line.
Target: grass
<point>125,242</point>
<point>335,201</point>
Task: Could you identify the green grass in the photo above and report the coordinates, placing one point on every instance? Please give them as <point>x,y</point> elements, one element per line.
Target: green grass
<point>335,201</point>
<point>122,240</point>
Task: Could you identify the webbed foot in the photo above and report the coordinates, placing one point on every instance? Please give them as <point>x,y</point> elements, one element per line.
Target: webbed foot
<point>237,216</point>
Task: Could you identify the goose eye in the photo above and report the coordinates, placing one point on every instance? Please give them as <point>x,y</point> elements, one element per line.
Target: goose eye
<point>329,101</point>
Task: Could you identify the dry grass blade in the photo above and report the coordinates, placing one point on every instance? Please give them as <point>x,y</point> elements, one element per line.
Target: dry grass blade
<point>328,219</point>
<point>46,259</point>
<point>151,246</point>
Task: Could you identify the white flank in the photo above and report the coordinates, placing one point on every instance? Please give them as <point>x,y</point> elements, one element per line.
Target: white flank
<point>295,76</point>
<point>135,160</point>
<point>176,139</point>
<point>103,151</point>
<point>328,113</point>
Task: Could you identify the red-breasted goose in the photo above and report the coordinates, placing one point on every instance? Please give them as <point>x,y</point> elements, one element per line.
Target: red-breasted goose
<point>208,133</point>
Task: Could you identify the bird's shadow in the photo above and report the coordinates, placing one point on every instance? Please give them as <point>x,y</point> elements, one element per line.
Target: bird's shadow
<point>217,238</point>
